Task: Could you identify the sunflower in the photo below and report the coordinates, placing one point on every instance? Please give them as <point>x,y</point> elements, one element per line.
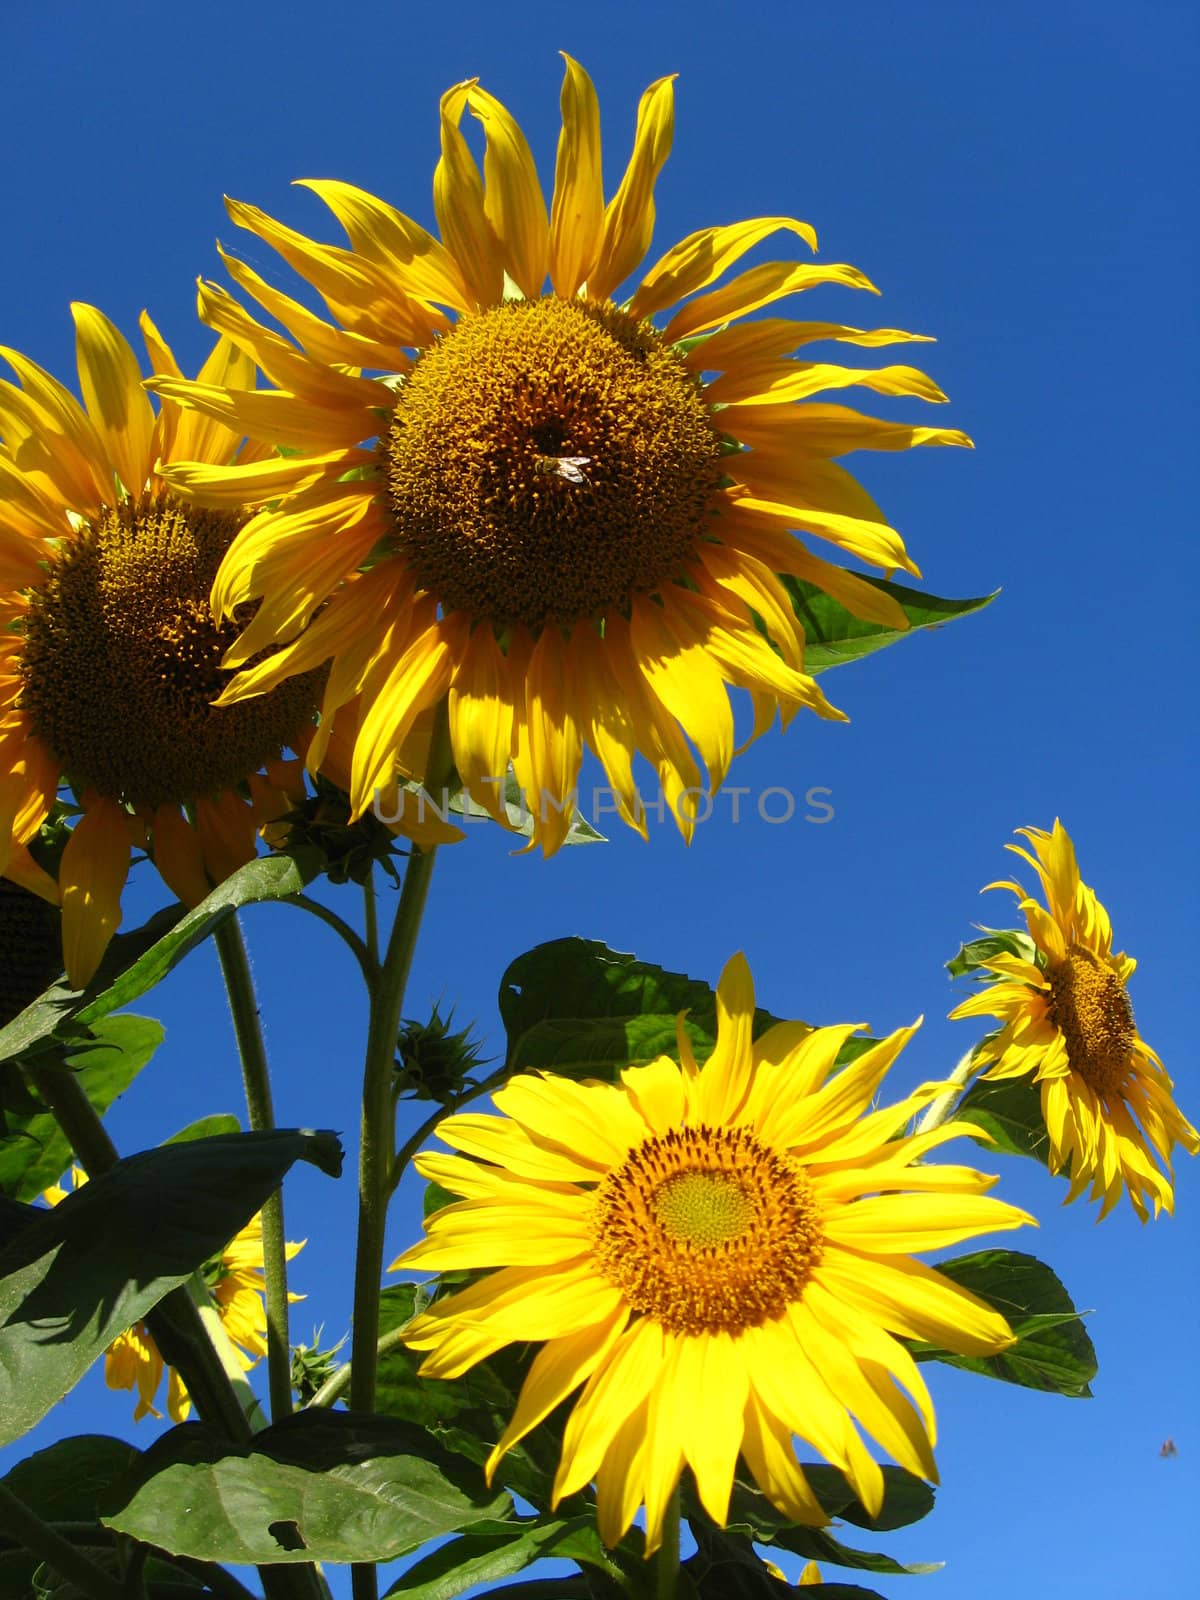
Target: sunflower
<point>1068,1020</point>
<point>109,653</point>
<point>568,520</point>
<point>235,1281</point>
<point>719,1255</point>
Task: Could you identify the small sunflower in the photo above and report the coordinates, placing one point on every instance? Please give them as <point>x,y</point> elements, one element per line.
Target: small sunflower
<point>1106,1100</point>
<point>566,518</point>
<point>109,653</point>
<point>235,1281</point>
<point>719,1256</point>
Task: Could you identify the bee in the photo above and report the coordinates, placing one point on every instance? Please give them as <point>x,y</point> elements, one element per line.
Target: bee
<point>569,468</point>
<point>1168,1449</point>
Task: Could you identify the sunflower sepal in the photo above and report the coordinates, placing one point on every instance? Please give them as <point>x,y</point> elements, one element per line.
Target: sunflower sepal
<point>975,955</point>
<point>1052,1351</point>
<point>1008,1112</point>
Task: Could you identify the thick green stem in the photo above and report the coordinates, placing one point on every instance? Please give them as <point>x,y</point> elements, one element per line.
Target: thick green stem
<point>943,1108</point>
<point>378,1128</point>
<point>34,1535</point>
<point>666,1562</point>
<point>256,1079</point>
<point>371,917</point>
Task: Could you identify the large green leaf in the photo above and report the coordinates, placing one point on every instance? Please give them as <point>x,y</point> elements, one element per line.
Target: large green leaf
<point>576,1007</point>
<point>973,956</point>
<point>835,637</point>
<point>319,1486</point>
<point>34,1152</point>
<point>91,1267</point>
<point>135,962</point>
<point>465,1414</point>
<point>67,1482</point>
<point>1053,1352</point>
<point>485,1554</point>
<point>726,1566</point>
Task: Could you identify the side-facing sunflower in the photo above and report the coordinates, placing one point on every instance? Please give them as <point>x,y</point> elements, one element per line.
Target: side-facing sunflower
<point>1106,1099</point>
<point>109,654</point>
<point>574,518</point>
<point>234,1279</point>
<point>720,1256</point>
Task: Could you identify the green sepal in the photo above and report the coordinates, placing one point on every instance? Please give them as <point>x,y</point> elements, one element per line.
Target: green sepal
<point>973,956</point>
<point>1053,1352</point>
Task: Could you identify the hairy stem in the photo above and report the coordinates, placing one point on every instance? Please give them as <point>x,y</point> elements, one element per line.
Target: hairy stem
<point>943,1108</point>
<point>378,1129</point>
<point>256,1080</point>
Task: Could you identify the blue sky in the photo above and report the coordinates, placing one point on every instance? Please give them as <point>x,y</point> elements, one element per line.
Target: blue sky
<point>1016,181</point>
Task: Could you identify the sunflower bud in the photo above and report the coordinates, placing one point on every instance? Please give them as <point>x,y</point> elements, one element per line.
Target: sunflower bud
<point>431,1062</point>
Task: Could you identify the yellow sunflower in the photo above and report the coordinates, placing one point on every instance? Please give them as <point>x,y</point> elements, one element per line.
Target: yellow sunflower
<point>719,1255</point>
<point>235,1280</point>
<point>109,654</point>
<point>566,518</point>
<point>1106,1100</point>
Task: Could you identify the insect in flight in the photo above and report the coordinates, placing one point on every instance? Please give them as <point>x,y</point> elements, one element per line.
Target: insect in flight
<point>569,468</point>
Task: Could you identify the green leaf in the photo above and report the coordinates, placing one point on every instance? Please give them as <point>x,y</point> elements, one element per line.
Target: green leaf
<point>67,1482</point>
<point>35,1153</point>
<point>727,1567</point>
<point>91,1267</point>
<point>1053,1352</point>
<point>835,637</point>
<point>578,1008</point>
<point>906,1499</point>
<point>135,962</point>
<point>1010,1111</point>
<point>995,942</point>
<point>206,1128</point>
<point>319,1486</point>
<point>482,1556</point>
<point>520,817</point>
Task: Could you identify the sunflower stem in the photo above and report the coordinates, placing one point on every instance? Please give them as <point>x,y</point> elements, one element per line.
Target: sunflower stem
<point>666,1562</point>
<point>943,1108</point>
<point>256,1080</point>
<point>371,917</point>
<point>378,1136</point>
<point>36,1536</point>
<point>411,1145</point>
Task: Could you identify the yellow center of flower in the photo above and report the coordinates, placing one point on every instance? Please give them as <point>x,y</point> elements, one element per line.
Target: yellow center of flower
<point>549,459</point>
<point>30,947</point>
<point>707,1230</point>
<point>1090,1008</point>
<point>122,659</point>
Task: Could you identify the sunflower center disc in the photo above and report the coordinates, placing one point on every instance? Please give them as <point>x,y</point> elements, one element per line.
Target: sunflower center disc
<point>30,948</point>
<point>121,660</point>
<point>707,1230</point>
<point>1092,1011</point>
<point>548,460</point>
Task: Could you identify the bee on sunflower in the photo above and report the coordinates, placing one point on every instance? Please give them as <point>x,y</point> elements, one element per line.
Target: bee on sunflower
<point>567,521</point>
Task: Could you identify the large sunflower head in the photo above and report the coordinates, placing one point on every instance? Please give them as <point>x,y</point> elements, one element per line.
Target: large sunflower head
<point>235,1280</point>
<point>720,1256</point>
<point>566,511</point>
<point>110,655</point>
<point>1068,1020</point>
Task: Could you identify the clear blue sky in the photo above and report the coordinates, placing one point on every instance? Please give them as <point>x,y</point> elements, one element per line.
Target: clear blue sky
<point>1018,181</point>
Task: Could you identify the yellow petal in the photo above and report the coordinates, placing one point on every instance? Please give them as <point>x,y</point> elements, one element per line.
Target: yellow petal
<point>702,257</point>
<point>577,211</point>
<point>629,216</point>
<point>760,286</point>
<point>91,877</point>
<point>459,205</point>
